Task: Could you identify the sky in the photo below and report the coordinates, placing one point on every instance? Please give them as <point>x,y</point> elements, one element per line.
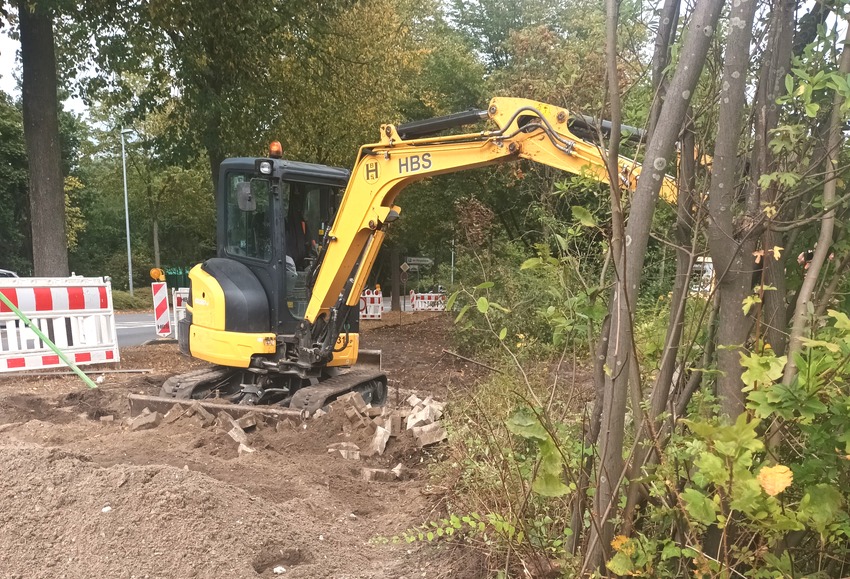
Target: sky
<point>8,48</point>
<point>10,70</point>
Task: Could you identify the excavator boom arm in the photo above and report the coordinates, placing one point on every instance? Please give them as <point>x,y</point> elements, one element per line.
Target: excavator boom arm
<point>525,130</point>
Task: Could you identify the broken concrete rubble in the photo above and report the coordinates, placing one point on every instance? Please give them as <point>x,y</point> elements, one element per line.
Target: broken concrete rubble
<point>421,416</point>
<point>429,434</point>
<point>246,422</point>
<point>238,435</point>
<point>382,474</point>
<point>172,415</point>
<point>225,421</point>
<point>144,421</point>
<point>347,450</point>
<point>413,400</point>
<point>379,442</point>
<point>205,416</point>
<point>374,411</point>
<point>355,400</point>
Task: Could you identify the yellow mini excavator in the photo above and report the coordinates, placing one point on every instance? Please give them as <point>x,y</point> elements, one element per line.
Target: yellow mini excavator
<point>276,312</point>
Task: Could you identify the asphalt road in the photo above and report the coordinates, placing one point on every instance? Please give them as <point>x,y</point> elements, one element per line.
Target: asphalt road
<point>134,329</point>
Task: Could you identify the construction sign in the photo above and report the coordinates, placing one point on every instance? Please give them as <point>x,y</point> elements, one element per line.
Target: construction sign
<point>162,318</point>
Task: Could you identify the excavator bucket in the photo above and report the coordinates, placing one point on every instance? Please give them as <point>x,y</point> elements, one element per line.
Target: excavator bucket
<point>370,358</point>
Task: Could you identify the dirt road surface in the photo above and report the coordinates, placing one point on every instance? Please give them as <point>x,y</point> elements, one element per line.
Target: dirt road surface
<point>82,496</point>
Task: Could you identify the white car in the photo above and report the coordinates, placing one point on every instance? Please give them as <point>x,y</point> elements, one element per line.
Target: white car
<point>7,273</point>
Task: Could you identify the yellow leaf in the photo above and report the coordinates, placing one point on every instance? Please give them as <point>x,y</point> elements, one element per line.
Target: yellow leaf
<point>777,252</point>
<point>775,479</point>
<point>621,543</point>
<point>618,542</point>
<point>770,211</point>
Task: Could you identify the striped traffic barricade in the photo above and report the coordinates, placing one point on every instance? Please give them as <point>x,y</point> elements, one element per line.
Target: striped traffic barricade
<point>371,305</point>
<point>74,314</point>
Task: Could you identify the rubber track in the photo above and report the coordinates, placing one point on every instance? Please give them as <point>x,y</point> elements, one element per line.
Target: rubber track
<point>313,398</point>
<point>191,380</point>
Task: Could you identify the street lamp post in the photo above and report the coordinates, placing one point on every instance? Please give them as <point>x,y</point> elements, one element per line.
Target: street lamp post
<point>127,210</point>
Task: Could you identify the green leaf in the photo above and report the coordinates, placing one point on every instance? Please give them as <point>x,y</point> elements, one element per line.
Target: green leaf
<point>482,304</point>
<point>761,369</point>
<point>749,302</point>
<point>820,506</point>
<point>789,83</point>
<point>699,506</point>
<point>670,551</point>
<point>583,216</point>
<point>460,314</point>
<point>702,429</point>
<point>485,285</point>
<point>621,564</point>
<point>834,348</point>
<point>451,301</point>
<point>562,243</point>
<point>712,468</point>
<point>503,333</point>
<point>549,485</point>
<point>531,263</point>
<point>842,322</point>
<point>525,423</point>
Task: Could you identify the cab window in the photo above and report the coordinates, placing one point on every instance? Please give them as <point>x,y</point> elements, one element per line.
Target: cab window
<point>310,212</point>
<point>248,224</point>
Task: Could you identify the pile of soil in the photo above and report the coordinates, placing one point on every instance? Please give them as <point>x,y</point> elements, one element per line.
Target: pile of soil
<point>83,496</point>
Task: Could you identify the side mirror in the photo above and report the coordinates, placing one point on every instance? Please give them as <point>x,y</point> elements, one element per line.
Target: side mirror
<point>244,197</point>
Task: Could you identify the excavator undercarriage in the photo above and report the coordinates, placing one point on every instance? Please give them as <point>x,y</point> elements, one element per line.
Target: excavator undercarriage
<point>265,389</point>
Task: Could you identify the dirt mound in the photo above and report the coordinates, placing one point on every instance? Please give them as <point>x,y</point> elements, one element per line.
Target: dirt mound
<point>60,513</point>
<point>184,503</point>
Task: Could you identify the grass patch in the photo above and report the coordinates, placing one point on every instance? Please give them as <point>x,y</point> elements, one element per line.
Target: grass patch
<point>141,300</point>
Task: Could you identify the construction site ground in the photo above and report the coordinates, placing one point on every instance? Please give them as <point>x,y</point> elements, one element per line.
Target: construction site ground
<point>81,495</point>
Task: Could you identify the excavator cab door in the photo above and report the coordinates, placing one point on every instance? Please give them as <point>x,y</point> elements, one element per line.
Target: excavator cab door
<point>272,215</point>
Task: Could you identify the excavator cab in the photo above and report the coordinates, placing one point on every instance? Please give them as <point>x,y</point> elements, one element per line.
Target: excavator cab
<point>246,303</point>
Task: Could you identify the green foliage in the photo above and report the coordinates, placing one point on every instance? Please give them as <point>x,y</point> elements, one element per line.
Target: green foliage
<point>727,481</point>
<point>502,297</point>
<point>486,528</point>
<point>14,223</point>
<point>516,469</point>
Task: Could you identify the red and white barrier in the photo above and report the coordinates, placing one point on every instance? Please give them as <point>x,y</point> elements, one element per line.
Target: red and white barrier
<point>179,297</point>
<point>74,313</point>
<point>429,302</point>
<point>161,313</point>
<point>371,305</point>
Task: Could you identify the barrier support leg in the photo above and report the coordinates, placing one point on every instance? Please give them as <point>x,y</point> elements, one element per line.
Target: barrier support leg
<point>46,340</point>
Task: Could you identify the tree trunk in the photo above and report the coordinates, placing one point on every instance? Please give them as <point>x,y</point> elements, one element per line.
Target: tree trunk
<point>668,21</point>
<point>659,150</point>
<point>731,250</point>
<point>41,132</point>
<point>658,402</point>
<point>771,85</point>
<point>798,322</point>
